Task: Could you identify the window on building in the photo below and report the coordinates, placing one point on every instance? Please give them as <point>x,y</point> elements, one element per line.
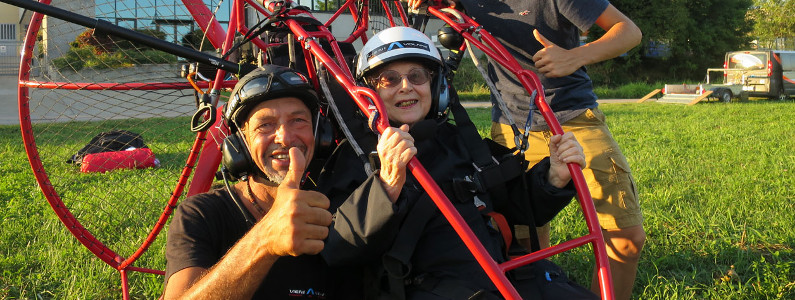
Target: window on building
<point>8,32</point>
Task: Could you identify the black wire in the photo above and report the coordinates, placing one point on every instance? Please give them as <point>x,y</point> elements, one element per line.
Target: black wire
<point>246,214</point>
<point>259,28</point>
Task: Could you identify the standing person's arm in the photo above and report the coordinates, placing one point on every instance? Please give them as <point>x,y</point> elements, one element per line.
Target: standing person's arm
<point>296,224</point>
<point>621,35</point>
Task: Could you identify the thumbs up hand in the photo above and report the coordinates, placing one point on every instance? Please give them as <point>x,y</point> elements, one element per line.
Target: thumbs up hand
<point>554,61</point>
<point>298,220</point>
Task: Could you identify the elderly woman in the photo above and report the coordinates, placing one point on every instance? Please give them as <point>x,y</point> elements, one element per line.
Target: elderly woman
<point>409,248</point>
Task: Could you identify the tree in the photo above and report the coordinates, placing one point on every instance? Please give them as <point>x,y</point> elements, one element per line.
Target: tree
<point>326,5</point>
<point>695,34</point>
<point>773,20</point>
<point>196,39</point>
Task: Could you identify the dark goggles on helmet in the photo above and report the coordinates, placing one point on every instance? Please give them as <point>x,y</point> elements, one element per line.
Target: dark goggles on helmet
<point>269,84</point>
<point>272,82</point>
<point>391,78</point>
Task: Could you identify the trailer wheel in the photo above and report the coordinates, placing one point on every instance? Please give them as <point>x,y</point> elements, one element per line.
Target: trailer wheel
<point>725,96</point>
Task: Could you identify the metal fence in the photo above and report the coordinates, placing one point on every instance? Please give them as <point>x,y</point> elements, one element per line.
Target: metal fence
<point>9,57</point>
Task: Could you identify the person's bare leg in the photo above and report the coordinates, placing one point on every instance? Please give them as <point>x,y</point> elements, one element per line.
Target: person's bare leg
<point>623,251</point>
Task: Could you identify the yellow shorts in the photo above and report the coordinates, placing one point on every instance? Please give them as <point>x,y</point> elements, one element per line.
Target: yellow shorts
<point>607,171</point>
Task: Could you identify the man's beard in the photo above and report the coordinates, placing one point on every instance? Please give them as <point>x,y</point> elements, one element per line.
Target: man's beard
<point>272,174</point>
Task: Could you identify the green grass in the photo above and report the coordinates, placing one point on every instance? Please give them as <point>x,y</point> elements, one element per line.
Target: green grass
<point>715,184</point>
<point>472,87</point>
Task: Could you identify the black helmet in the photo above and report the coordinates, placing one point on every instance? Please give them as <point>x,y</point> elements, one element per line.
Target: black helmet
<point>266,83</point>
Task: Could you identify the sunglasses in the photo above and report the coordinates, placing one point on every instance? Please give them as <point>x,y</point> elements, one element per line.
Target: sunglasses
<point>391,78</point>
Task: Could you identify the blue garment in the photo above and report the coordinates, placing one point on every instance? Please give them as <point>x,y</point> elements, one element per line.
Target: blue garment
<point>512,22</point>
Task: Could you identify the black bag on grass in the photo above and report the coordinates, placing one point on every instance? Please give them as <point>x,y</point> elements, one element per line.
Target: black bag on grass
<point>116,140</point>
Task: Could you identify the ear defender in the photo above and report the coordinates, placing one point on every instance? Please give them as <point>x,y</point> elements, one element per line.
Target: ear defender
<point>265,83</point>
<point>324,137</point>
<point>443,95</point>
<point>235,157</point>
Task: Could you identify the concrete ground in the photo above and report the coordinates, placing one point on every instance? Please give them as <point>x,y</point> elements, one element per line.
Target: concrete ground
<point>9,113</point>
<point>468,104</point>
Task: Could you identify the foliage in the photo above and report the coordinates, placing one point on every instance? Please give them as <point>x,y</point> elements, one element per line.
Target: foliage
<point>467,77</point>
<point>773,19</point>
<point>694,36</point>
<point>98,51</point>
<point>197,40</point>
<point>326,5</point>
<point>101,43</point>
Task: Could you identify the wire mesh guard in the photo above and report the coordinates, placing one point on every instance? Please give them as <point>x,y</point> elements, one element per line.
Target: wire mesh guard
<point>79,83</point>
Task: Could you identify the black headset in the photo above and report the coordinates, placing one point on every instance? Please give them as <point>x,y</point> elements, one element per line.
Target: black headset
<point>265,83</point>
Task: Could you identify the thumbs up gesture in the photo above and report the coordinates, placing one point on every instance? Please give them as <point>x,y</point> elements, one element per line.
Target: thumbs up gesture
<point>554,61</point>
<point>298,220</point>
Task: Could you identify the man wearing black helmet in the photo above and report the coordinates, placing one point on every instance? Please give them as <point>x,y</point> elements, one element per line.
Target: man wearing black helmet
<point>258,238</point>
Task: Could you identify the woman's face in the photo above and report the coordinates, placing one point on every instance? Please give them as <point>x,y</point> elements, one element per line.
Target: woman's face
<point>405,88</point>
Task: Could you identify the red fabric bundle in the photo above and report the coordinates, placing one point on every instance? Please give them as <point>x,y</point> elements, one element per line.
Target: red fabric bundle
<point>105,161</point>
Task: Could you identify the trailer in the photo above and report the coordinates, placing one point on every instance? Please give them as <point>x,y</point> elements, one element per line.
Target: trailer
<point>693,93</point>
<point>757,73</point>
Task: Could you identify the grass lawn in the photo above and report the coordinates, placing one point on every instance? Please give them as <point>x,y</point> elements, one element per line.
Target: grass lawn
<point>715,184</point>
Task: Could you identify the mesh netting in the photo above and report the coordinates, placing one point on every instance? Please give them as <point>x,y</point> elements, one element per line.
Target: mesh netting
<point>83,83</point>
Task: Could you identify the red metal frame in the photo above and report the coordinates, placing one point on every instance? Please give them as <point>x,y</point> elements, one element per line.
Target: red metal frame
<point>491,47</point>
<point>206,153</point>
<point>72,224</point>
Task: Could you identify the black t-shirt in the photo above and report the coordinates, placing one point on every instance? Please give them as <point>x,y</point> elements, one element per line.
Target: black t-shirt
<point>206,226</point>
<point>512,22</point>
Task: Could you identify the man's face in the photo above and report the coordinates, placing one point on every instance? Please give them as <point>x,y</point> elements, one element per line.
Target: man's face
<point>272,128</point>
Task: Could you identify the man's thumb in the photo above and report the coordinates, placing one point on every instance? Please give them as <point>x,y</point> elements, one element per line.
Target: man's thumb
<point>541,39</point>
<point>296,170</point>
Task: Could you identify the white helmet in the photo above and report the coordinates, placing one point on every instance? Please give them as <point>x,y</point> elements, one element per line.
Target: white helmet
<point>399,43</point>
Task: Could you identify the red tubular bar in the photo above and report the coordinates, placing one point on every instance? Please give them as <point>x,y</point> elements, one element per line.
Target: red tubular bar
<point>92,86</point>
<point>125,288</point>
<point>531,83</point>
<point>170,205</point>
<point>66,217</point>
<point>207,21</point>
<point>402,12</point>
<point>388,12</point>
<point>210,156</point>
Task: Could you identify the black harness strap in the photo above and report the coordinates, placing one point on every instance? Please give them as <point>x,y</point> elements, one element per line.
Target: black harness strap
<point>397,261</point>
<point>490,172</point>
